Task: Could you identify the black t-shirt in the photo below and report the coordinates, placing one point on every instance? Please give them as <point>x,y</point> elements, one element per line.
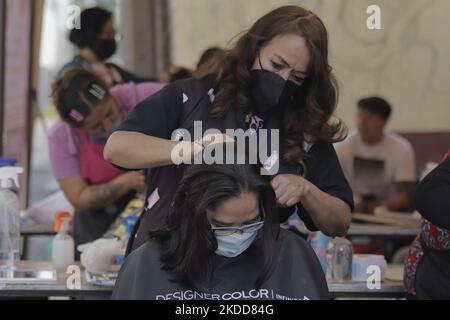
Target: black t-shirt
<point>297,275</point>
<point>432,196</point>
<point>181,103</point>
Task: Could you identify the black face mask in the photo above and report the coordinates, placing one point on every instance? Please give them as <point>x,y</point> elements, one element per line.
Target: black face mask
<point>271,92</point>
<point>105,48</point>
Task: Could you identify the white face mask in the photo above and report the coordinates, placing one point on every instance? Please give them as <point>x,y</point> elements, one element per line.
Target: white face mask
<point>234,244</point>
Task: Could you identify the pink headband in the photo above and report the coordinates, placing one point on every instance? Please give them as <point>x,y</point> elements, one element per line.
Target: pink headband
<point>76,116</point>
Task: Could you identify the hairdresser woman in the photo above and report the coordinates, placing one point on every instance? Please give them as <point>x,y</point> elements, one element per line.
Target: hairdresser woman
<point>276,77</point>
<point>89,111</point>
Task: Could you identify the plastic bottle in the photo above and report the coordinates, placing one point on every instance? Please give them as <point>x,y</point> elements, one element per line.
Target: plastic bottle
<point>339,260</point>
<point>319,243</point>
<point>129,223</point>
<point>9,221</point>
<point>63,250</point>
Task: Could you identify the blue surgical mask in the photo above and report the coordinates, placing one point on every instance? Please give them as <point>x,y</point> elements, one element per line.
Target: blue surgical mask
<point>234,244</point>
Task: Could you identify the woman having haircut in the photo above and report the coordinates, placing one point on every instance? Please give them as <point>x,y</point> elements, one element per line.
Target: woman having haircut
<point>222,241</point>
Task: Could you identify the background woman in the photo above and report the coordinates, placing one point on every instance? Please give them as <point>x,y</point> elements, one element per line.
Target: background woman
<point>97,42</point>
<point>89,112</point>
<point>427,268</point>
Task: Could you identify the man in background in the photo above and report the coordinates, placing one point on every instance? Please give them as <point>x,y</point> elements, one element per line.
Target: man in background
<point>379,166</point>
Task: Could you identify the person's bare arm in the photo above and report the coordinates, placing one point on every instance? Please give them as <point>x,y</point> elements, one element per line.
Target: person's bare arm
<point>330,214</point>
<point>403,197</point>
<point>358,201</point>
<point>133,150</point>
<point>366,204</point>
<point>84,197</point>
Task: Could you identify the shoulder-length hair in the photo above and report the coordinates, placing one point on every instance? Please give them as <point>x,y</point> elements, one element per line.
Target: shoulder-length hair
<point>310,120</point>
<point>188,242</point>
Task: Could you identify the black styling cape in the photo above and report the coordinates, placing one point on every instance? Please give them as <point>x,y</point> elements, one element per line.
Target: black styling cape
<point>297,275</point>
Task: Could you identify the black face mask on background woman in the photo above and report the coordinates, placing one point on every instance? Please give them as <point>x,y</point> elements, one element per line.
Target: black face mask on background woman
<point>271,92</point>
<point>105,48</point>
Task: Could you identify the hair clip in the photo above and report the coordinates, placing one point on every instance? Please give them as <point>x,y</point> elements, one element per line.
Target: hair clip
<point>97,91</point>
<point>76,115</point>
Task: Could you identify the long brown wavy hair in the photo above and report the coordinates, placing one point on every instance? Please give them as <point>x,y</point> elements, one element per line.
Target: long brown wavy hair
<point>319,93</point>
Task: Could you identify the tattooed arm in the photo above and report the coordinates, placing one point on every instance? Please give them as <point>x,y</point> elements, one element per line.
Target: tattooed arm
<point>84,197</point>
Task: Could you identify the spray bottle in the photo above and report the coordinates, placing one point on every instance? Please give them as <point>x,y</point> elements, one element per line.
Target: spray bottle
<point>63,250</point>
<point>9,221</point>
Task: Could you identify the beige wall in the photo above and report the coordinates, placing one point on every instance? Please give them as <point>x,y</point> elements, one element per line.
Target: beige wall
<point>408,61</point>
